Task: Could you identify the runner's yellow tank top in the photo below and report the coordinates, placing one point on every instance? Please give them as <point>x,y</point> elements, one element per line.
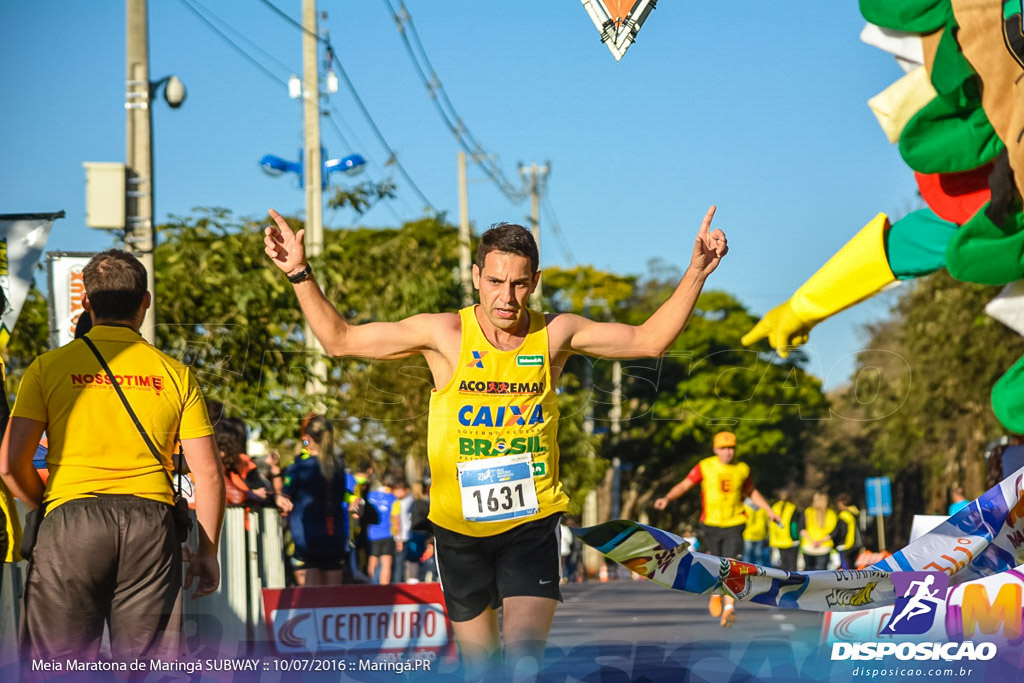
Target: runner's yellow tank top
<point>498,403</point>
<point>722,491</point>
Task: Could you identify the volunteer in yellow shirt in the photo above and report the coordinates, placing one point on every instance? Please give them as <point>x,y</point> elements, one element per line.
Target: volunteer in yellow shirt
<point>107,553</point>
<point>724,485</point>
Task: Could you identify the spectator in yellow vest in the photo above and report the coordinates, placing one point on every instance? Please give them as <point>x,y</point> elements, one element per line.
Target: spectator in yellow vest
<point>819,523</point>
<point>847,534</point>
<point>785,536</point>
<point>755,534</point>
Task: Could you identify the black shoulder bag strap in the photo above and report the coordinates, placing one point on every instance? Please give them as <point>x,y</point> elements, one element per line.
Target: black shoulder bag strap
<point>135,419</point>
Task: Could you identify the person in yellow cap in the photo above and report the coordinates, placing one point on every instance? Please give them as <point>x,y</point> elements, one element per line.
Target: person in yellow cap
<point>724,485</point>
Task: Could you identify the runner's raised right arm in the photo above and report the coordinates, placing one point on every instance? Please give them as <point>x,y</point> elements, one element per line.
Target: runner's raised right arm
<point>391,340</point>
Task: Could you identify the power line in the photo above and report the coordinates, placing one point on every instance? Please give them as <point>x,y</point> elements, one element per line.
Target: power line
<point>253,44</point>
<point>446,109</point>
<point>392,155</point>
<point>238,48</point>
<point>387,200</point>
<point>556,228</point>
<point>328,115</point>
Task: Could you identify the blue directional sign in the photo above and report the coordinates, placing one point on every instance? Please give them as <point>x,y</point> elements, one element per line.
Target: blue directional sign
<point>879,496</point>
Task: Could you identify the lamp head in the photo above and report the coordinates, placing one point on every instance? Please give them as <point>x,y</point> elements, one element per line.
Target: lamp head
<point>174,92</point>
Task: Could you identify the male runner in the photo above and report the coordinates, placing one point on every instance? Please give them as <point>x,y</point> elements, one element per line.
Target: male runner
<point>723,485</point>
<point>493,421</point>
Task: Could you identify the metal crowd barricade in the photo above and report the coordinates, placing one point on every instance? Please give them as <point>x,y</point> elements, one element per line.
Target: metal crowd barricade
<point>250,559</point>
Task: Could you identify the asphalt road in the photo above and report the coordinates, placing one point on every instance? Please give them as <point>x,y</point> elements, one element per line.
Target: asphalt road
<point>635,630</point>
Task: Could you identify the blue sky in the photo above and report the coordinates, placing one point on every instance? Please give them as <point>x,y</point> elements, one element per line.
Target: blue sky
<point>757,107</point>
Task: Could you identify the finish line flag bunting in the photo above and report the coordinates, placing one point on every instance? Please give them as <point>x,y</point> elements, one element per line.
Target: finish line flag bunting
<point>618,21</point>
<point>982,539</point>
<point>22,240</point>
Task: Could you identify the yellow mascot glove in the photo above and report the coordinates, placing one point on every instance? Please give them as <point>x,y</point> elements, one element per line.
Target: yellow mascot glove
<point>782,327</point>
<point>857,271</point>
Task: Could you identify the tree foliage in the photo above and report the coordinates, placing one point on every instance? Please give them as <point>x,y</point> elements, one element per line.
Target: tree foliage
<point>706,382</point>
<point>918,408</point>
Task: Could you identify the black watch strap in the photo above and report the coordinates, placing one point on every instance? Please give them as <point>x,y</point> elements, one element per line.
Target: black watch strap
<point>301,276</point>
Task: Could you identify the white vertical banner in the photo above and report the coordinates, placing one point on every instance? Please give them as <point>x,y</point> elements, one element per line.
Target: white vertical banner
<point>22,240</point>
<point>64,270</point>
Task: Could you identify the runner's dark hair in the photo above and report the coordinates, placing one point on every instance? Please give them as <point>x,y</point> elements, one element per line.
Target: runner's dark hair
<point>508,238</point>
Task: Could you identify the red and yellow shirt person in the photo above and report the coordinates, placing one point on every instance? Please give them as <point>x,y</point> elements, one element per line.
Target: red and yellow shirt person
<point>497,403</point>
<point>723,488</point>
<point>94,447</point>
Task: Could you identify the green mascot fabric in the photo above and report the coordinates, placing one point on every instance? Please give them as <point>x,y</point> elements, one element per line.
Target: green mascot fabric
<point>950,134</point>
<point>1008,398</point>
<point>950,68</point>
<point>988,253</point>
<point>915,16</point>
<point>916,244</point>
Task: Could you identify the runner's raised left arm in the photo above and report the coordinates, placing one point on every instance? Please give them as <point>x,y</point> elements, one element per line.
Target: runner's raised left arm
<point>656,334</point>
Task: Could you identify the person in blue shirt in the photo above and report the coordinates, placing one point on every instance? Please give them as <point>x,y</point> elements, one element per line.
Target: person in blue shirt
<point>959,501</point>
<point>379,531</point>
<point>318,487</point>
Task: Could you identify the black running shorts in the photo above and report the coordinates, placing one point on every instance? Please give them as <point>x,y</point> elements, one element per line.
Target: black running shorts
<point>480,572</point>
<point>722,541</point>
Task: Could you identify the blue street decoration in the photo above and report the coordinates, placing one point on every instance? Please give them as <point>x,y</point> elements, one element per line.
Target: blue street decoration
<point>982,539</point>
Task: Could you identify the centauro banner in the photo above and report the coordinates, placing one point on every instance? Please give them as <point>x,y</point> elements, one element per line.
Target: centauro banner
<point>22,240</point>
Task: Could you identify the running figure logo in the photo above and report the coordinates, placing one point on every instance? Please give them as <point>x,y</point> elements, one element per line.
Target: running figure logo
<point>914,613</point>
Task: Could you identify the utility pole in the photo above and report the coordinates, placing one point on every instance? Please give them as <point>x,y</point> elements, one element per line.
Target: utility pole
<point>536,178</point>
<point>138,238</point>
<point>465,236</point>
<point>312,157</point>
<point>312,172</point>
<point>615,417</point>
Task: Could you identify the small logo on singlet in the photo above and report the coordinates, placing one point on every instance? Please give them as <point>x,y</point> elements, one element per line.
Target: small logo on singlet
<point>534,361</point>
<point>478,359</point>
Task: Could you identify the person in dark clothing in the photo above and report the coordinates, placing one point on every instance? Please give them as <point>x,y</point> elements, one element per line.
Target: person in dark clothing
<point>317,485</point>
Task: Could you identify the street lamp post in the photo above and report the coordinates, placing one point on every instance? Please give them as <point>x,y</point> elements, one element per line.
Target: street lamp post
<point>353,164</point>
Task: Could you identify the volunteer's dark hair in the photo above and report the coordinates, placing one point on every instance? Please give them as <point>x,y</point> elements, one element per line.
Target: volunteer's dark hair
<point>508,238</point>
<point>321,431</point>
<point>115,282</point>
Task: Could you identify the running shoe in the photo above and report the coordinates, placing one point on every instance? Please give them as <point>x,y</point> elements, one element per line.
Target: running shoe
<point>715,606</point>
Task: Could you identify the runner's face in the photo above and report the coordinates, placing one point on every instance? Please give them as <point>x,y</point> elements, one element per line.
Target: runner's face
<point>505,284</point>
<point>725,454</point>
